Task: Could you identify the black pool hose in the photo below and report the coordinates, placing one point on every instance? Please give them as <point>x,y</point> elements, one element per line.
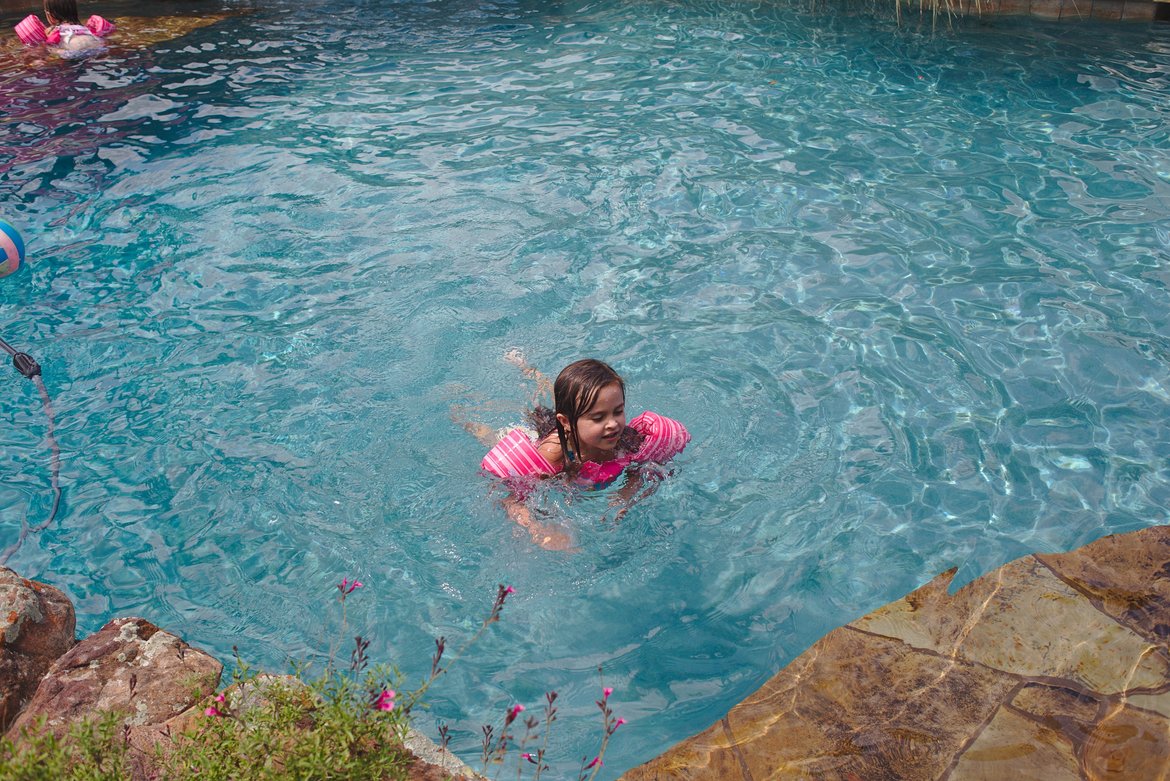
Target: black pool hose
<point>27,365</point>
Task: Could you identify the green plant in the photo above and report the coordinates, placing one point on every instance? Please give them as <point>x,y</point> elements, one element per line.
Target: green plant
<point>91,751</point>
<point>340,725</point>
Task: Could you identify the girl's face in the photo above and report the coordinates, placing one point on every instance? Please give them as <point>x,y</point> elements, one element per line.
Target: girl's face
<point>600,427</point>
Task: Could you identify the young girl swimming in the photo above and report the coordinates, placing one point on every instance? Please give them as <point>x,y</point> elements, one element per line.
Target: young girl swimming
<point>66,33</point>
<point>585,437</point>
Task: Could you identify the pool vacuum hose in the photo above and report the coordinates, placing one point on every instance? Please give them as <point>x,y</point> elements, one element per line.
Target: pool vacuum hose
<point>27,365</point>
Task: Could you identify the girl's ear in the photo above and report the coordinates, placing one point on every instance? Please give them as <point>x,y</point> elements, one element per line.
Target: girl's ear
<point>563,420</point>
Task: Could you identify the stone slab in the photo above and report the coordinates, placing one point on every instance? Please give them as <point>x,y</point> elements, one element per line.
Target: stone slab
<point>1026,621</point>
<point>1125,576</point>
<point>1051,668</point>
<point>1022,749</point>
<point>829,716</point>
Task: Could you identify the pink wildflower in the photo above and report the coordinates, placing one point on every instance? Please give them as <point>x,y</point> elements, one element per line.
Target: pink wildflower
<point>529,757</point>
<point>347,586</point>
<point>212,711</point>
<point>513,712</point>
<point>385,700</point>
<point>501,595</point>
<point>220,697</point>
<point>608,690</point>
<point>596,761</point>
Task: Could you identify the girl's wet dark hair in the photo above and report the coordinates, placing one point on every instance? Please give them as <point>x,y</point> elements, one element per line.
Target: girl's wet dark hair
<point>63,11</point>
<point>575,392</point>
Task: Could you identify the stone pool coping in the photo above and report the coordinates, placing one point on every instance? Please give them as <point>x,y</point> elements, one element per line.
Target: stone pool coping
<point>1052,667</point>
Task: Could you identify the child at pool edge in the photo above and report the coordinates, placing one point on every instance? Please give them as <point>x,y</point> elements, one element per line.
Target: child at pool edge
<point>585,436</point>
<point>62,15</point>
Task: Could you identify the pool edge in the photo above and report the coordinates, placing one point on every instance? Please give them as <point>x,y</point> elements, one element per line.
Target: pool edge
<point>1054,664</point>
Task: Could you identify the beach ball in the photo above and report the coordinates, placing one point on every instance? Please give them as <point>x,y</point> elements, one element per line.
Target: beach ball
<point>11,249</point>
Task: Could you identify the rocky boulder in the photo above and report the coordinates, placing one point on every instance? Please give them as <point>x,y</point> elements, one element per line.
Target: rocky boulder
<point>37,625</point>
<point>130,666</point>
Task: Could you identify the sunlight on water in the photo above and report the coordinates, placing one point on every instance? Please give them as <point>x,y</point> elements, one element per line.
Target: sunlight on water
<point>907,293</point>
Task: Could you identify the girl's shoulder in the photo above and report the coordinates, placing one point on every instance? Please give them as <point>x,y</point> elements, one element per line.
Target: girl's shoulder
<point>548,441</point>
<point>549,446</point>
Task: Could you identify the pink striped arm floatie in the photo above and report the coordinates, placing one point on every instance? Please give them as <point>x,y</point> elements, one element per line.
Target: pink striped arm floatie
<point>31,30</point>
<point>99,26</point>
<point>664,438</point>
<point>516,456</point>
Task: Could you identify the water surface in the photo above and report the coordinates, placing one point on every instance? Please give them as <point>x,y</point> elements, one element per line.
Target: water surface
<point>908,292</point>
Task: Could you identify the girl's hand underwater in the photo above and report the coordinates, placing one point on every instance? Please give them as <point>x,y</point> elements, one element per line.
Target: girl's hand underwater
<point>550,538</point>
<point>545,535</point>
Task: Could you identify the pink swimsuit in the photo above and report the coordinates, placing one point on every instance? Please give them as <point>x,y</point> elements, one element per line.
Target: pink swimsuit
<point>516,455</point>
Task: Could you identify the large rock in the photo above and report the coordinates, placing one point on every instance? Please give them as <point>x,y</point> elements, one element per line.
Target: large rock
<point>37,625</point>
<point>131,666</point>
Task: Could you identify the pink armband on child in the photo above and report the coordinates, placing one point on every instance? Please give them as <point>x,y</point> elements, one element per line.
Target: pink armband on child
<point>664,438</point>
<point>31,30</point>
<point>516,456</point>
<point>99,26</point>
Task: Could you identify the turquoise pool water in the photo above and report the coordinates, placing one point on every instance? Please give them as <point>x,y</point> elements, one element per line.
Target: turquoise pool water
<point>909,294</point>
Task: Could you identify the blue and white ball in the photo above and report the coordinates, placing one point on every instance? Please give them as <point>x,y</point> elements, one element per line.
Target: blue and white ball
<point>11,249</point>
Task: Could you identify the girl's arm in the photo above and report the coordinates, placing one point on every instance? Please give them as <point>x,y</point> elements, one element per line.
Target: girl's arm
<point>636,488</point>
<point>544,388</point>
<point>545,535</point>
<point>487,435</point>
